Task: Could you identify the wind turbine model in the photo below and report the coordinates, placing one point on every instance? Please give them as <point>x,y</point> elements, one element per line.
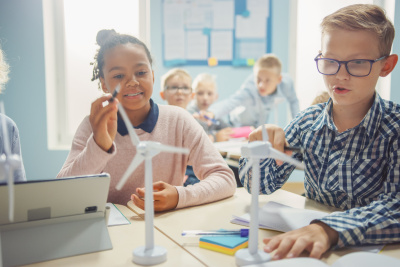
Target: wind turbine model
<point>255,151</point>
<point>145,151</point>
<point>8,164</point>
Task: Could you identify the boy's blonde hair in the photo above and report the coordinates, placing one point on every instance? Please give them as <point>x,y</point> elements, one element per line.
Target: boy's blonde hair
<point>173,72</point>
<point>269,61</point>
<point>321,98</point>
<point>366,17</point>
<point>204,77</point>
<point>4,70</point>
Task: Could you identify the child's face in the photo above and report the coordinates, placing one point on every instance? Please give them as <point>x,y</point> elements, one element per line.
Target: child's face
<point>266,79</point>
<point>206,94</point>
<point>129,66</point>
<point>180,97</point>
<point>344,89</point>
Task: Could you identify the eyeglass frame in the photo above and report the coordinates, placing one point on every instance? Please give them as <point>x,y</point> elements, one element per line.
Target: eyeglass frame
<point>185,90</point>
<point>371,61</point>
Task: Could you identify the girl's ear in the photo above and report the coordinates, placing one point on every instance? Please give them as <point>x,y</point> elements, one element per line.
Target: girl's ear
<point>103,85</point>
<point>162,95</point>
<point>390,63</point>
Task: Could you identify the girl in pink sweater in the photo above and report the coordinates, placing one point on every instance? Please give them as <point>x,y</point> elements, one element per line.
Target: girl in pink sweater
<point>102,144</point>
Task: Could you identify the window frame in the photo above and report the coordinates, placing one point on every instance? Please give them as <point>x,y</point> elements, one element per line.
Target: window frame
<point>58,137</point>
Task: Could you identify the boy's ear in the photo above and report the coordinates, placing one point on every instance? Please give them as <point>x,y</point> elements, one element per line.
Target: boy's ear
<point>390,63</point>
<point>280,78</point>
<point>216,96</point>
<point>162,95</point>
<point>192,96</point>
<point>103,85</point>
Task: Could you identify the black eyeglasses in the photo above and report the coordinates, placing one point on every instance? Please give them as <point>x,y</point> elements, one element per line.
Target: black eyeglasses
<point>174,89</point>
<point>355,67</point>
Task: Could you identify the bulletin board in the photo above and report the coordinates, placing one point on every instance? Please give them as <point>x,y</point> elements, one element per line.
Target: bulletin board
<point>215,32</point>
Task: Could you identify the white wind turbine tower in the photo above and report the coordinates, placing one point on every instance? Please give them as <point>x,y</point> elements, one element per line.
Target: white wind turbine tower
<point>8,164</point>
<point>255,151</point>
<point>145,151</point>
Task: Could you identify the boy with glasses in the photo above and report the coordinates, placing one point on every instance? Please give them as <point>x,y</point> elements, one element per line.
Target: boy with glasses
<point>176,88</point>
<point>351,143</point>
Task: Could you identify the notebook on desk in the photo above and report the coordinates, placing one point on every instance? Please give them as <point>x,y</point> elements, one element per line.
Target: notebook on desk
<point>54,218</point>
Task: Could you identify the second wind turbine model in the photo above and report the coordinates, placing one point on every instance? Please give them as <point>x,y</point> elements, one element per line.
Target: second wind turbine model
<point>145,151</point>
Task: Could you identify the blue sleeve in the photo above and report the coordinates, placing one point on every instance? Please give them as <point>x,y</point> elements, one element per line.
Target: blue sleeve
<point>290,94</point>
<point>240,98</point>
<point>378,222</point>
<point>19,173</point>
<point>272,176</point>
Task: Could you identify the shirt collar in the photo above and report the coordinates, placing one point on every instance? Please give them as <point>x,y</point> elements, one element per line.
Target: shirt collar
<point>324,118</point>
<point>369,122</point>
<point>147,125</point>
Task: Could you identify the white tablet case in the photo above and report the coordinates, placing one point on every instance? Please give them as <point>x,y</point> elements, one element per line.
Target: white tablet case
<point>54,219</point>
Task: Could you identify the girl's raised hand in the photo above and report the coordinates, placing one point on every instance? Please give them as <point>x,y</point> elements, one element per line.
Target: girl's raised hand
<point>103,119</point>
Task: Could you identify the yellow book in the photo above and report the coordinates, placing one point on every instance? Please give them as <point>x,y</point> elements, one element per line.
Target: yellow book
<point>224,244</point>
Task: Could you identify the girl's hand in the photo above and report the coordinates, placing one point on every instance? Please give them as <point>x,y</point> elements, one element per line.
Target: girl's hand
<point>165,197</point>
<point>315,238</point>
<point>276,136</point>
<point>104,121</point>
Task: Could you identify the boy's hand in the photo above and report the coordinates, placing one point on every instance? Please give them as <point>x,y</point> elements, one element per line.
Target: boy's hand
<point>315,238</point>
<point>103,120</point>
<point>223,135</point>
<point>276,136</point>
<point>165,197</point>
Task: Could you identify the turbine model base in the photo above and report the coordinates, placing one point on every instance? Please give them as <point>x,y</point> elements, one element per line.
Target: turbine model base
<point>243,257</point>
<point>153,256</point>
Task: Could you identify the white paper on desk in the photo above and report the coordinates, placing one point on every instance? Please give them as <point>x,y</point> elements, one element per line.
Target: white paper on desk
<point>364,259</point>
<point>116,217</point>
<point>279,217</point>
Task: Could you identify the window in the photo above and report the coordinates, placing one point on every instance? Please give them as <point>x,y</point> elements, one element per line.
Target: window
<point>307,33</point>
<point>70,29</point>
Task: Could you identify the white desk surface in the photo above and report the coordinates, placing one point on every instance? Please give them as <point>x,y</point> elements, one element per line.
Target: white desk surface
<point>217,215</point>
<point>125,238</point>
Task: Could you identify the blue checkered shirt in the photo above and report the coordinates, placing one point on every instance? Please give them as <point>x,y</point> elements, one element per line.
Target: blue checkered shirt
<point>356,170</point>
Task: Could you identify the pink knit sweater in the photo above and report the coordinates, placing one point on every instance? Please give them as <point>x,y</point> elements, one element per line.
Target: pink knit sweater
<point>175,127</point>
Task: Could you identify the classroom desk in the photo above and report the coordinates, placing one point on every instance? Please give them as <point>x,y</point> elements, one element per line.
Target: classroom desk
<point>125,238</point>
<point>217,215</point>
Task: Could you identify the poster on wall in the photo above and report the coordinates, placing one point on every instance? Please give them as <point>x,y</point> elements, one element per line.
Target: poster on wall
<point>215,32</point>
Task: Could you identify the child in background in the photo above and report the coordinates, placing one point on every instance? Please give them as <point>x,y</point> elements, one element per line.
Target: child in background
<point>102,144</point>
<point>13,133</point>
<point>266,86</point>
<point>177,91</point>
<point>176,88</point>
<point>205,89</point>
<point>351,143</point>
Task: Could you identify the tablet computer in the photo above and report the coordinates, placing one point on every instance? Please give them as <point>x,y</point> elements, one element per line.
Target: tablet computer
<point>48,199</point>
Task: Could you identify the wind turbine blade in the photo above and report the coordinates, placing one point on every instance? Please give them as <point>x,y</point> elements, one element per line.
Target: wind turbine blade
<point>166,148</point>
<point>6,142</point>
<point>128,124</point>
<point>281,156</point>
<point>134,164</point>
<point>246,167</point>
<point>264,133</point>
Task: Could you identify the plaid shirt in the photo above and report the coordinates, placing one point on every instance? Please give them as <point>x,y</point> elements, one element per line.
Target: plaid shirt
<point>356,170</point>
